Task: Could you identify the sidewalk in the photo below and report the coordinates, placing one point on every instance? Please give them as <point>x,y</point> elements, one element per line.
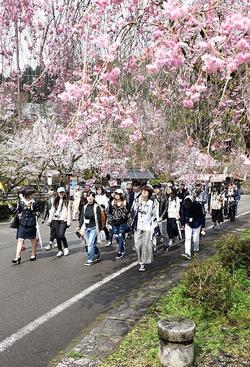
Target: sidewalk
<point>105,335</point>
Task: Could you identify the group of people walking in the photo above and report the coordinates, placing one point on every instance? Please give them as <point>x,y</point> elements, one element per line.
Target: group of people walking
<point>149,214</point>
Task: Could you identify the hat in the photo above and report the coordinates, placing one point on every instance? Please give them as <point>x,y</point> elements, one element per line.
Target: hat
<point>189,197</point>
<point>119,191</point>
<point>61,189</point>
<point>157,186</point>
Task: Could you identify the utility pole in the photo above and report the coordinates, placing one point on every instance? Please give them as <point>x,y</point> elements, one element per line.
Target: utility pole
<point>19,109</point>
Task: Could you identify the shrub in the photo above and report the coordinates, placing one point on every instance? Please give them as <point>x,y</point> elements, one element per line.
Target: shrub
<point>209,284</point>
<point>234,252</point>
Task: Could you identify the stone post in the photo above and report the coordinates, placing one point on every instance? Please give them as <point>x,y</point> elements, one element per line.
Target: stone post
<point>176,342</point>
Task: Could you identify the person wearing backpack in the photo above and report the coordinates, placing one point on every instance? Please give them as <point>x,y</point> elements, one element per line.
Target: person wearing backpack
<point>28,212</point>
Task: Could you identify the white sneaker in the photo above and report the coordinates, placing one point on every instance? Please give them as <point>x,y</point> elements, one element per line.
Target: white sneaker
<point>142,267</point>
<point>48,247</point>
<point>59,254</point>
<point>55,245</point>
<point>187,256</point>
<point>89,262</point>
<point>108,244</point>
<point>65,251</point>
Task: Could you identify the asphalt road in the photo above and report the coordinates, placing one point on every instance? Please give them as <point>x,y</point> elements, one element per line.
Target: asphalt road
<point>31,289</point>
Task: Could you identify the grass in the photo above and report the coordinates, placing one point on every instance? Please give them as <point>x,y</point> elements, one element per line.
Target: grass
<point>75,355</point>
<point>216,331</point>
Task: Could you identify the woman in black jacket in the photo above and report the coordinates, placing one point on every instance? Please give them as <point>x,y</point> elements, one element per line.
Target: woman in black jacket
<point>28,211</point>
<point>90,222</point>
<point>118,218</point>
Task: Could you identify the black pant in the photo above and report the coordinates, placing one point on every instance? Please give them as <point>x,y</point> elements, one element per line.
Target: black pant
<point>232,211</point>
<point>52,231</point>
<point>60,228</point>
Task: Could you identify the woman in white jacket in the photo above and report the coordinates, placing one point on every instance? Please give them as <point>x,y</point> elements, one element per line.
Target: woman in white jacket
<point>216,207</point>
<point>173,215</point>
<point>145,221</point>
<point>60,214</point>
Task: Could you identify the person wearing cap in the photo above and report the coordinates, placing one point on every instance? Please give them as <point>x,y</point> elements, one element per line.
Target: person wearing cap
<point>118,218</point>
<point>192,219</point>
<point>48,205</point>
<point>60,215</point>
<point>145,222</point>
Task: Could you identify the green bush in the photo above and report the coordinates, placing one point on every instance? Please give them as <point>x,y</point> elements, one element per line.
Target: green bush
<point>210,285</point>
<point>234,252</point>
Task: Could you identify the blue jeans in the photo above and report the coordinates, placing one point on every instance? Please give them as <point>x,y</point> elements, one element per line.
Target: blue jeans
<point>91,238</point>
<point>119,232</point>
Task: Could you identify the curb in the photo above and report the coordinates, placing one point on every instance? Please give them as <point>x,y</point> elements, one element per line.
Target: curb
<point>106,335</point>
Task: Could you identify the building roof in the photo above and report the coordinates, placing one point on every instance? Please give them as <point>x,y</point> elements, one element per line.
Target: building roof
<point>138,174</point>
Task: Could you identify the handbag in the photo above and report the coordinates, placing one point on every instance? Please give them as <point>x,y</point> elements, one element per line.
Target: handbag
<point>102,235</point>
<point>14,223</point>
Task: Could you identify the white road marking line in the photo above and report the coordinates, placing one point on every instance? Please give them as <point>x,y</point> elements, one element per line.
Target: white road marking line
<point>8,342</point>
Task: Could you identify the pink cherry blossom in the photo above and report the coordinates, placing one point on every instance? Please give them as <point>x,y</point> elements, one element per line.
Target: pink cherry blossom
<point>188,103</point>
<point>127,123</point>
<point>212,64</point>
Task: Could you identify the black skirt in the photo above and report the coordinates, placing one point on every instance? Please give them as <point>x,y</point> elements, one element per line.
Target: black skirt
<point>172,228</point>
<point>27,233</point>
<point>217,215</point>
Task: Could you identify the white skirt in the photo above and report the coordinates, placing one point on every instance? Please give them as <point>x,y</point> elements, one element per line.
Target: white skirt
<point>143,246</point>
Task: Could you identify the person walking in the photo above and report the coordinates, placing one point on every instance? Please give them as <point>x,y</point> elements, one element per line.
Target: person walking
<point>48,205</point>
<point>101,198</point>
<point>232,201</point>
<point>216,206</point>
<point>90,229</point>
<point>118,217</point>
<point>28,212</point>
<point>61,217</point>
<point>144,212</point>
<point>173,215</point>
<point>161,204</point>
<point>192,220</point>
<point>200,194</point>
<point>76,202</point>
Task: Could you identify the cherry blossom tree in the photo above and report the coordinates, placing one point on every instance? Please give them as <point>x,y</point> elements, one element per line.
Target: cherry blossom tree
<point>124,76</point>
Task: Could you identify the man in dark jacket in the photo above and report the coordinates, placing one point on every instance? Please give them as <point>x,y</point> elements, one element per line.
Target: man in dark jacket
<point>182,192</point>
<point>192,219</point>
<point>136,186</point>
